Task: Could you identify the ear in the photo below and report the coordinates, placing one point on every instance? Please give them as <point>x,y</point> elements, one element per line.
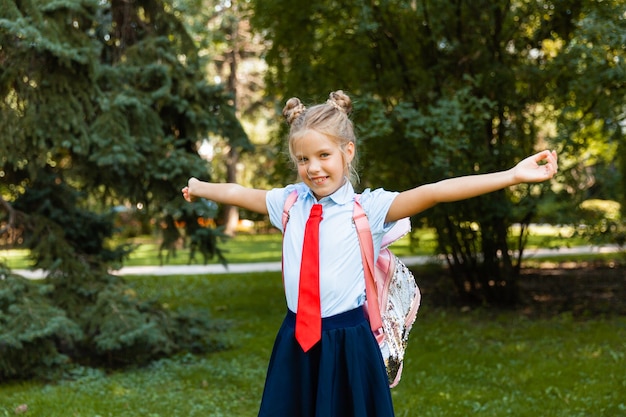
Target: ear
<point>349,152</point>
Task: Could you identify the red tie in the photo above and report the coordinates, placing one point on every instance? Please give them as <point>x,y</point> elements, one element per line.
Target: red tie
<point>309,315</point>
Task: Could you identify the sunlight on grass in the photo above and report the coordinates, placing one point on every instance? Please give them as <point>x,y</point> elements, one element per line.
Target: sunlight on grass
<point>246,248</point>
<point>243,248</point>
<point>15,258</point>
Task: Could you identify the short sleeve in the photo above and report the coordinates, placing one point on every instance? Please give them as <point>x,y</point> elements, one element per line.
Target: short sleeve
<point>376,204</point>
<point>275,201</point>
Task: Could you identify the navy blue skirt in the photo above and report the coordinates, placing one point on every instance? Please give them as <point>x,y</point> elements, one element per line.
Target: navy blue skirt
<point>342,376</point>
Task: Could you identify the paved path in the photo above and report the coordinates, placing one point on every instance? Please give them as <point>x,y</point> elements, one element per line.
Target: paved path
<point>275,266</point>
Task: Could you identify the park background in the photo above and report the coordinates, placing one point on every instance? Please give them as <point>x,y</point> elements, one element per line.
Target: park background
<point>108,106</point>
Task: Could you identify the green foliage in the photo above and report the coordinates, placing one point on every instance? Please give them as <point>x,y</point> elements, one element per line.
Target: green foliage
<point>445,89</point>
<point>204,240</point>
<point>82,315</point>
<point>102,103</point>
<point>602,223</point>
<point>113,98</point>
<point>33,332</point>
<point>58,225</point>
<point>48,328</point>
<point>200,235</point>
<point>588,68</point>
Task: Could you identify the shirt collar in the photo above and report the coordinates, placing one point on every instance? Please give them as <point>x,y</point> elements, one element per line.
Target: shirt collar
<point>343,195</point>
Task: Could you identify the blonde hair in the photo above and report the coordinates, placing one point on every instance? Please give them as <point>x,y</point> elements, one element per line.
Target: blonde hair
<point>330,119</point>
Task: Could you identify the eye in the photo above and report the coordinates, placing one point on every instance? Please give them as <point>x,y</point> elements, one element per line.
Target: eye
<point>324,155</point>
<point>301,160</point>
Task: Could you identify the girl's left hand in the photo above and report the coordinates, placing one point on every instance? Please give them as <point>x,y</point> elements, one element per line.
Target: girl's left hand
<point>536,168</point>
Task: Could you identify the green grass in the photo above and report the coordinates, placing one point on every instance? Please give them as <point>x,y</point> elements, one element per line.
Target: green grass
<point>246,248</point>
<point>479,363</point>
<point>243,248</point>
<point>15,258</point>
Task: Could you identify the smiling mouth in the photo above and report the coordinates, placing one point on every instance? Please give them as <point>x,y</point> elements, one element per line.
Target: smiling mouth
<point>318,180</point>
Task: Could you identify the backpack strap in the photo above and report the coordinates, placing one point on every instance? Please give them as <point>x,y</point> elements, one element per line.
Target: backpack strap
<point>289,202</point>
<point>367,255</point>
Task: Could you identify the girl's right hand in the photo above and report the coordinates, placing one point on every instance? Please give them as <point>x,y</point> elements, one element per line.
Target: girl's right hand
<point>187,193</point>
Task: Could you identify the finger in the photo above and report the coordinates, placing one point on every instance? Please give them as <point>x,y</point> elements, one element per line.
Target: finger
<point>553,161</point>
<point>552,165</point>
<point>541,156</point>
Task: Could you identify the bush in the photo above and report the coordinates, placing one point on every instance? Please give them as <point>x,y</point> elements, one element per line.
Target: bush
<point>602,223</point>
<point>33,332</point>
<point>48,329</point>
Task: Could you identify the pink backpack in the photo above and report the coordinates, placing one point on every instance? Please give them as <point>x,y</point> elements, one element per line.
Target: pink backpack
<point>393,296</point>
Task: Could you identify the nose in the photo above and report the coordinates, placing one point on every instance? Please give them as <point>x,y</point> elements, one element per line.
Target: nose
<point>314,166</point>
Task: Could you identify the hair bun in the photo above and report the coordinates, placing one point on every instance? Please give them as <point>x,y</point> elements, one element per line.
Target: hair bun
<point>340,100</point>
<point>293,109</point>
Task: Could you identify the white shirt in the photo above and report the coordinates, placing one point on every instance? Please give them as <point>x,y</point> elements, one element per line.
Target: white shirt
<point>342,283</point>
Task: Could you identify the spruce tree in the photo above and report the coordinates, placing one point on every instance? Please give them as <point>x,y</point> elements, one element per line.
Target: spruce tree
<point>102,102</point>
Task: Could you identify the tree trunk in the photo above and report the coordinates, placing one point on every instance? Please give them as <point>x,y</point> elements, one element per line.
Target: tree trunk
<point>478,255</point>
<point>231,213</point>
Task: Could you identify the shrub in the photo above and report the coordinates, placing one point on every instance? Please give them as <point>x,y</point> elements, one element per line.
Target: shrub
<point>33,331</point>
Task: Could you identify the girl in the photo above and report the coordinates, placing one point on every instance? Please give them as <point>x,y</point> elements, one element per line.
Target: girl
<point>340,372</point>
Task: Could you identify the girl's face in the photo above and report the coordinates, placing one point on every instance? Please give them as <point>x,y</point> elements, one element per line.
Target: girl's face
<point>322,164</point>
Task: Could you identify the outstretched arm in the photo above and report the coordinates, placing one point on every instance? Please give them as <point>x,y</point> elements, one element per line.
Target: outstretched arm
<point>539,167</point>
<point>227,193</point>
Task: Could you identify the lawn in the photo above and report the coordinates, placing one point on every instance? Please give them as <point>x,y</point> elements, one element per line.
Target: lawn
<point>459,363</point>
<point>246,248</point>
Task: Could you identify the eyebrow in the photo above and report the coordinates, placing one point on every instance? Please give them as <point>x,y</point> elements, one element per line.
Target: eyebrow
<point>318,151</point>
